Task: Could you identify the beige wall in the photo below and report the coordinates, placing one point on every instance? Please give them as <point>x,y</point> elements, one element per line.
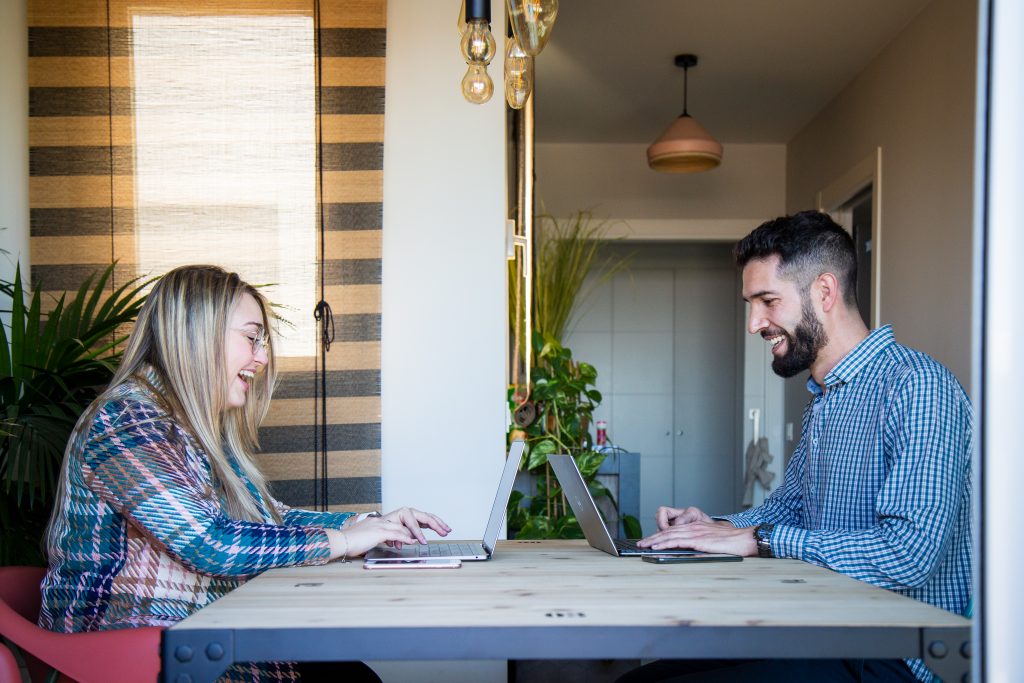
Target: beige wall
<point>13,136</point>
<point>614,181</point>
<point>916,101</point>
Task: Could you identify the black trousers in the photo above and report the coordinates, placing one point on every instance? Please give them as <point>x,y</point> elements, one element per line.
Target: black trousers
<point>336,672</point>
<point>771,671</point>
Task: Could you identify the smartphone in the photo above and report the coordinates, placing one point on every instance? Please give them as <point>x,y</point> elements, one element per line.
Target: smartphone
<point>413,563</point>
<point>701,557</point>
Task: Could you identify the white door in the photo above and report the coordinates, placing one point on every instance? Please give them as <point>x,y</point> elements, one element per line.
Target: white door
<point>665,339</point>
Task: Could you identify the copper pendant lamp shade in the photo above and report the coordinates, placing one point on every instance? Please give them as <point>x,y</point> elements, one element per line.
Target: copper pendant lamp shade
<point>685,146</point>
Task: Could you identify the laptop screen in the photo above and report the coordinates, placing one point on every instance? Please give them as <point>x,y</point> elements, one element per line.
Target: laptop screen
<point>508,478</point>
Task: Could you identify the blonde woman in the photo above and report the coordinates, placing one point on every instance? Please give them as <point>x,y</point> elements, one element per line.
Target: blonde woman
<point>161,508</point>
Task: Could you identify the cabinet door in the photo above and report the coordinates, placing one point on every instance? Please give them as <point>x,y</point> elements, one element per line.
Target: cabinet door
<point>642,329</point>
<point>706,405</point>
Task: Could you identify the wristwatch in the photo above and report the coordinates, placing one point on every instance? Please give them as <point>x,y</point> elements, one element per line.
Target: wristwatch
<point>763,538</point>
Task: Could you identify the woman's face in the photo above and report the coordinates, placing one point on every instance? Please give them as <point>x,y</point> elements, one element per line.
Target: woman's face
<point>245,327</point>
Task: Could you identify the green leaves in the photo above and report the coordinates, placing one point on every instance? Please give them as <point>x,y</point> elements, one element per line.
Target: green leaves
<point>565,398</point>
<point>51,367</point>
<point>566,253</point>
<point>539,452</point>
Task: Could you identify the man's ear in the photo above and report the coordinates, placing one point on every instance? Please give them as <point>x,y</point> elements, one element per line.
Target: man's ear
<point>826,291</point>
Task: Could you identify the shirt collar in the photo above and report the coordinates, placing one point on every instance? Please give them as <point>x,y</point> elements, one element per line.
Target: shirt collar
<point>856,360</point>
<point>151,377</point>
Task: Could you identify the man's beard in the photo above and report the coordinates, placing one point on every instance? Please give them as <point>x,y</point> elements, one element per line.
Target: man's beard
<point>803,345</point>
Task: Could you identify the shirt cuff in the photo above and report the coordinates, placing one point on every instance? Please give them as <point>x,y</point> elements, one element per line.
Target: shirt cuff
<point>738,520</point>
<point>319,547</point>
<point>789,541</point>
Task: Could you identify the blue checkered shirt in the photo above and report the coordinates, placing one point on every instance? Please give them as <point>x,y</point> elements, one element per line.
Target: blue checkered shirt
<point>879,487</point>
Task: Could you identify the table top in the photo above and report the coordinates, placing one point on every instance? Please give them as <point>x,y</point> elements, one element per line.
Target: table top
<point>557,600</point>
<point>542,584</point>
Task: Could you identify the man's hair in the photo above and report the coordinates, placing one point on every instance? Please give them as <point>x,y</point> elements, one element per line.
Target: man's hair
<point>808,244</point>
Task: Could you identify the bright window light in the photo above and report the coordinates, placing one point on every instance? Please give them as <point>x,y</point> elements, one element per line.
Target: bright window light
<point>225,154</point>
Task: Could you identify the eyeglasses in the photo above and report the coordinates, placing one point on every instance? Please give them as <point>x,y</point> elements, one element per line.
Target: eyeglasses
<point>259,340</point>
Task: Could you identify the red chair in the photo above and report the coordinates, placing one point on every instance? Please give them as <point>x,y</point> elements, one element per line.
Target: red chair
<point>123,655</point>
<point>8,666</point>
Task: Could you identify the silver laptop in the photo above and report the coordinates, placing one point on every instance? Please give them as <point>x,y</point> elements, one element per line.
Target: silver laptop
<point>466,550</point>
<point>589,517</point>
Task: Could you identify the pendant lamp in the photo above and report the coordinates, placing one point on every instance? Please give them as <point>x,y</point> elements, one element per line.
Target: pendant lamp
<point>685,146</point>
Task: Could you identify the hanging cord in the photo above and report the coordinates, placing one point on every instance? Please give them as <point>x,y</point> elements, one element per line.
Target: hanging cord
<point>110,146</point>
<point>322,312</point>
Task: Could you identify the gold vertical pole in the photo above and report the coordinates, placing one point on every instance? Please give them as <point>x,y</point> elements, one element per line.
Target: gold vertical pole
<point>524,240</point>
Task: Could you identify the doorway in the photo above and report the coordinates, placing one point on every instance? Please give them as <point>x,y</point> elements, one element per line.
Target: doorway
<point>666,339</point>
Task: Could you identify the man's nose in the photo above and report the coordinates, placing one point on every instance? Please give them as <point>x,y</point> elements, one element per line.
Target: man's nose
<point>755,321</point>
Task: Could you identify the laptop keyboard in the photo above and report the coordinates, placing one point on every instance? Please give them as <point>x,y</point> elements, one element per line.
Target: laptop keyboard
<point>446,549</point>
<point>627,545</point>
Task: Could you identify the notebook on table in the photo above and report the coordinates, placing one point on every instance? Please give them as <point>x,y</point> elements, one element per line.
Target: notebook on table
<point>466,550</point>
<point>589,517</point>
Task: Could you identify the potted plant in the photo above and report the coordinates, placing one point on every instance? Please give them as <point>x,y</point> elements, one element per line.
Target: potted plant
<point>52,365</point>
<point>554,411</point>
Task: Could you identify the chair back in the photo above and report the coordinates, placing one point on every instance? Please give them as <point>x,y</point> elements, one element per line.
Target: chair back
<point>117,656</point>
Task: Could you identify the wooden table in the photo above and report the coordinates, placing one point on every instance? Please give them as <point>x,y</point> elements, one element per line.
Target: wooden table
<point>561,600</point>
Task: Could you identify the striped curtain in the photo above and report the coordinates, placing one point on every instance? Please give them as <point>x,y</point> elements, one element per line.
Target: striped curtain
<point>183,131</point>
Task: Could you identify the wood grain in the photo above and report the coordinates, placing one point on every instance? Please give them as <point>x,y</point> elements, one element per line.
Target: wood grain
<point>525,583</point>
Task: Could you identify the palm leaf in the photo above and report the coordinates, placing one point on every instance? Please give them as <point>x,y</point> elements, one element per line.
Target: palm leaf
<point>51,366</point>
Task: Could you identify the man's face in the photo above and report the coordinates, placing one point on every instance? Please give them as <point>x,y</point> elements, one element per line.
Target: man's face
<point>783,316</point>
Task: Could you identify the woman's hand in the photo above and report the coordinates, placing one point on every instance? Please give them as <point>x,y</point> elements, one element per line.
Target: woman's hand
<point>395,529</point>
<point>413,519</point>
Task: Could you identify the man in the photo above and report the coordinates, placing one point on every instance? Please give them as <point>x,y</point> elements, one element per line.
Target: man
<point>879,486</point>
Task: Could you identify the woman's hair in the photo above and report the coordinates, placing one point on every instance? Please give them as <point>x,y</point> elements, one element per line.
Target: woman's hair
<point>180,335</point>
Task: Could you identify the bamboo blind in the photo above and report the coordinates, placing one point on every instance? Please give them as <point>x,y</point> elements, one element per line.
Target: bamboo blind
<point>89,205</point>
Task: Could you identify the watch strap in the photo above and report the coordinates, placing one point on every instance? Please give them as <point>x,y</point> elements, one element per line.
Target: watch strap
<point>763,539</point>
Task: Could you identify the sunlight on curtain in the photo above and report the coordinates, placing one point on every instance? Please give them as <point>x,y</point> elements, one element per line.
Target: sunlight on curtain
<point>225,154</point>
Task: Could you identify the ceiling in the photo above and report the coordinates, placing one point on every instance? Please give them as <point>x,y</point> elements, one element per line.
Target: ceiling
<point>766,66</point>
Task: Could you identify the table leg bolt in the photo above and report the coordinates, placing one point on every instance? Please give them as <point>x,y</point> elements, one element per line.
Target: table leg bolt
<point>938,649</point>
<point>965,650</point>
<point>966,678</point>
<point>183,653</point>
<point>214,652</point>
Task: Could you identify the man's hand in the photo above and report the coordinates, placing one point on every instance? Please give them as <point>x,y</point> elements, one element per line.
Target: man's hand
<point>705,535</point>
<point>667,516</point>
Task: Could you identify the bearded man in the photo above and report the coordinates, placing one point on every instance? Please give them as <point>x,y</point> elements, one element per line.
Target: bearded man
<point>879,486</point>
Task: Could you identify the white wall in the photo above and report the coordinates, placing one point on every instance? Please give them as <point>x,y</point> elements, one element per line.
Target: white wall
<point>916,101</point>
<point>444,320</point>
<point>1002,367</point>
<point>13,137</point>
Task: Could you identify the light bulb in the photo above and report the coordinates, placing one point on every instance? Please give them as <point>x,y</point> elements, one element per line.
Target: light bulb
<point>477,43</point>
<point>477,86</point>
<point>516,60</point>
<point>518,89</point>
<point>532,21</point>
<point>518,74</point>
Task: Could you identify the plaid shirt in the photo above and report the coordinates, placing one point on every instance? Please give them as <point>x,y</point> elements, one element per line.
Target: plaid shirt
<point>144,539</point>
<point>879,487</point>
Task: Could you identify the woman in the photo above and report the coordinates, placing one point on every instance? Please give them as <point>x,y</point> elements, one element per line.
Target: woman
<point>161,508</point>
